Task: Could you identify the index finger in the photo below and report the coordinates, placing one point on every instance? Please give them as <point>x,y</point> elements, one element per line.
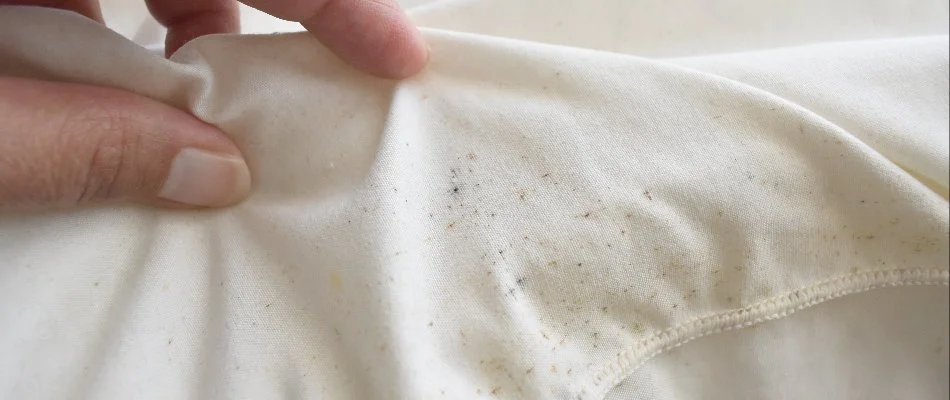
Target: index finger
<point>373,35</point>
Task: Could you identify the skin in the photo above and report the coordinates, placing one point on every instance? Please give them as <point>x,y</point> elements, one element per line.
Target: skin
<point>67,145</point>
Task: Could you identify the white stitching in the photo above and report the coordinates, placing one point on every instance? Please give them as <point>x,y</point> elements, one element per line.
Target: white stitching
<point>632,358</point>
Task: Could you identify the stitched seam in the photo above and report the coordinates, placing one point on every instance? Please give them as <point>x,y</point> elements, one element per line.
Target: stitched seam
<point>633,357</point>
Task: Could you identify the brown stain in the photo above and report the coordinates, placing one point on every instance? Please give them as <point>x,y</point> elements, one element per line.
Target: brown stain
<point>637,328</point>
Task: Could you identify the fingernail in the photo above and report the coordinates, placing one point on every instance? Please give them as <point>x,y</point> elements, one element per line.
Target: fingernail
<point>202,178</point>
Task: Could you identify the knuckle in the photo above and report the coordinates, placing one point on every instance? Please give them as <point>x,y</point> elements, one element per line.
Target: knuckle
<point>105,166</point>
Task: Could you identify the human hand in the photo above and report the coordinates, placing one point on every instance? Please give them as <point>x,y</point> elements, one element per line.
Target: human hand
<point>63,145</point>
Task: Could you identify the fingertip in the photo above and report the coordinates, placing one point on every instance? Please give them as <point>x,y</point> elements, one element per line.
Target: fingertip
<point>375,37</point>
<point>187,20</point>
<point>413,59</point>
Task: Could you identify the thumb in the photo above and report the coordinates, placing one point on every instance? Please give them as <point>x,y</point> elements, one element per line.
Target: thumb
<point>64,145</point>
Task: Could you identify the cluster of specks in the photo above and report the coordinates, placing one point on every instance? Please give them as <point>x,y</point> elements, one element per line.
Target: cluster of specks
<point>505,381</point>
<point>463,193</point>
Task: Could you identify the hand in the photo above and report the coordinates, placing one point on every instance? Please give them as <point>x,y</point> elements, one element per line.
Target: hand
<point>63,145</point>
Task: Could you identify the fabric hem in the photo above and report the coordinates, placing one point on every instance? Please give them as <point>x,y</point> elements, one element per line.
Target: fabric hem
<point>632,358</point>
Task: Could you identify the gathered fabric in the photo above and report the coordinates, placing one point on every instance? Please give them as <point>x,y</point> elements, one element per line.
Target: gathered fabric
<point>575,200</point>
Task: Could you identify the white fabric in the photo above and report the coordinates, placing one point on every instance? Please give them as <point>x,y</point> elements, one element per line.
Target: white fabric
<point>887,344</point>
<point>570,189</point>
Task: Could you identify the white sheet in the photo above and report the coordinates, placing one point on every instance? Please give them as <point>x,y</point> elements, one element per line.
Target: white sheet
<point>568,190</point>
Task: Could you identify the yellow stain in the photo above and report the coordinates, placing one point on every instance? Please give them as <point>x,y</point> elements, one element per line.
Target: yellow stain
<point>335,281</point>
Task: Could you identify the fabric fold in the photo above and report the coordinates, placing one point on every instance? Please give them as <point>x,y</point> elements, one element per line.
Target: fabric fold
<point>507,223</point>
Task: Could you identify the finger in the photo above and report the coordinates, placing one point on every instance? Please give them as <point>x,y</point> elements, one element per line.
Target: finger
<point>63,145</point>
<point>89,8</point>
<point>372,35</point>
<point>189,19</point>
